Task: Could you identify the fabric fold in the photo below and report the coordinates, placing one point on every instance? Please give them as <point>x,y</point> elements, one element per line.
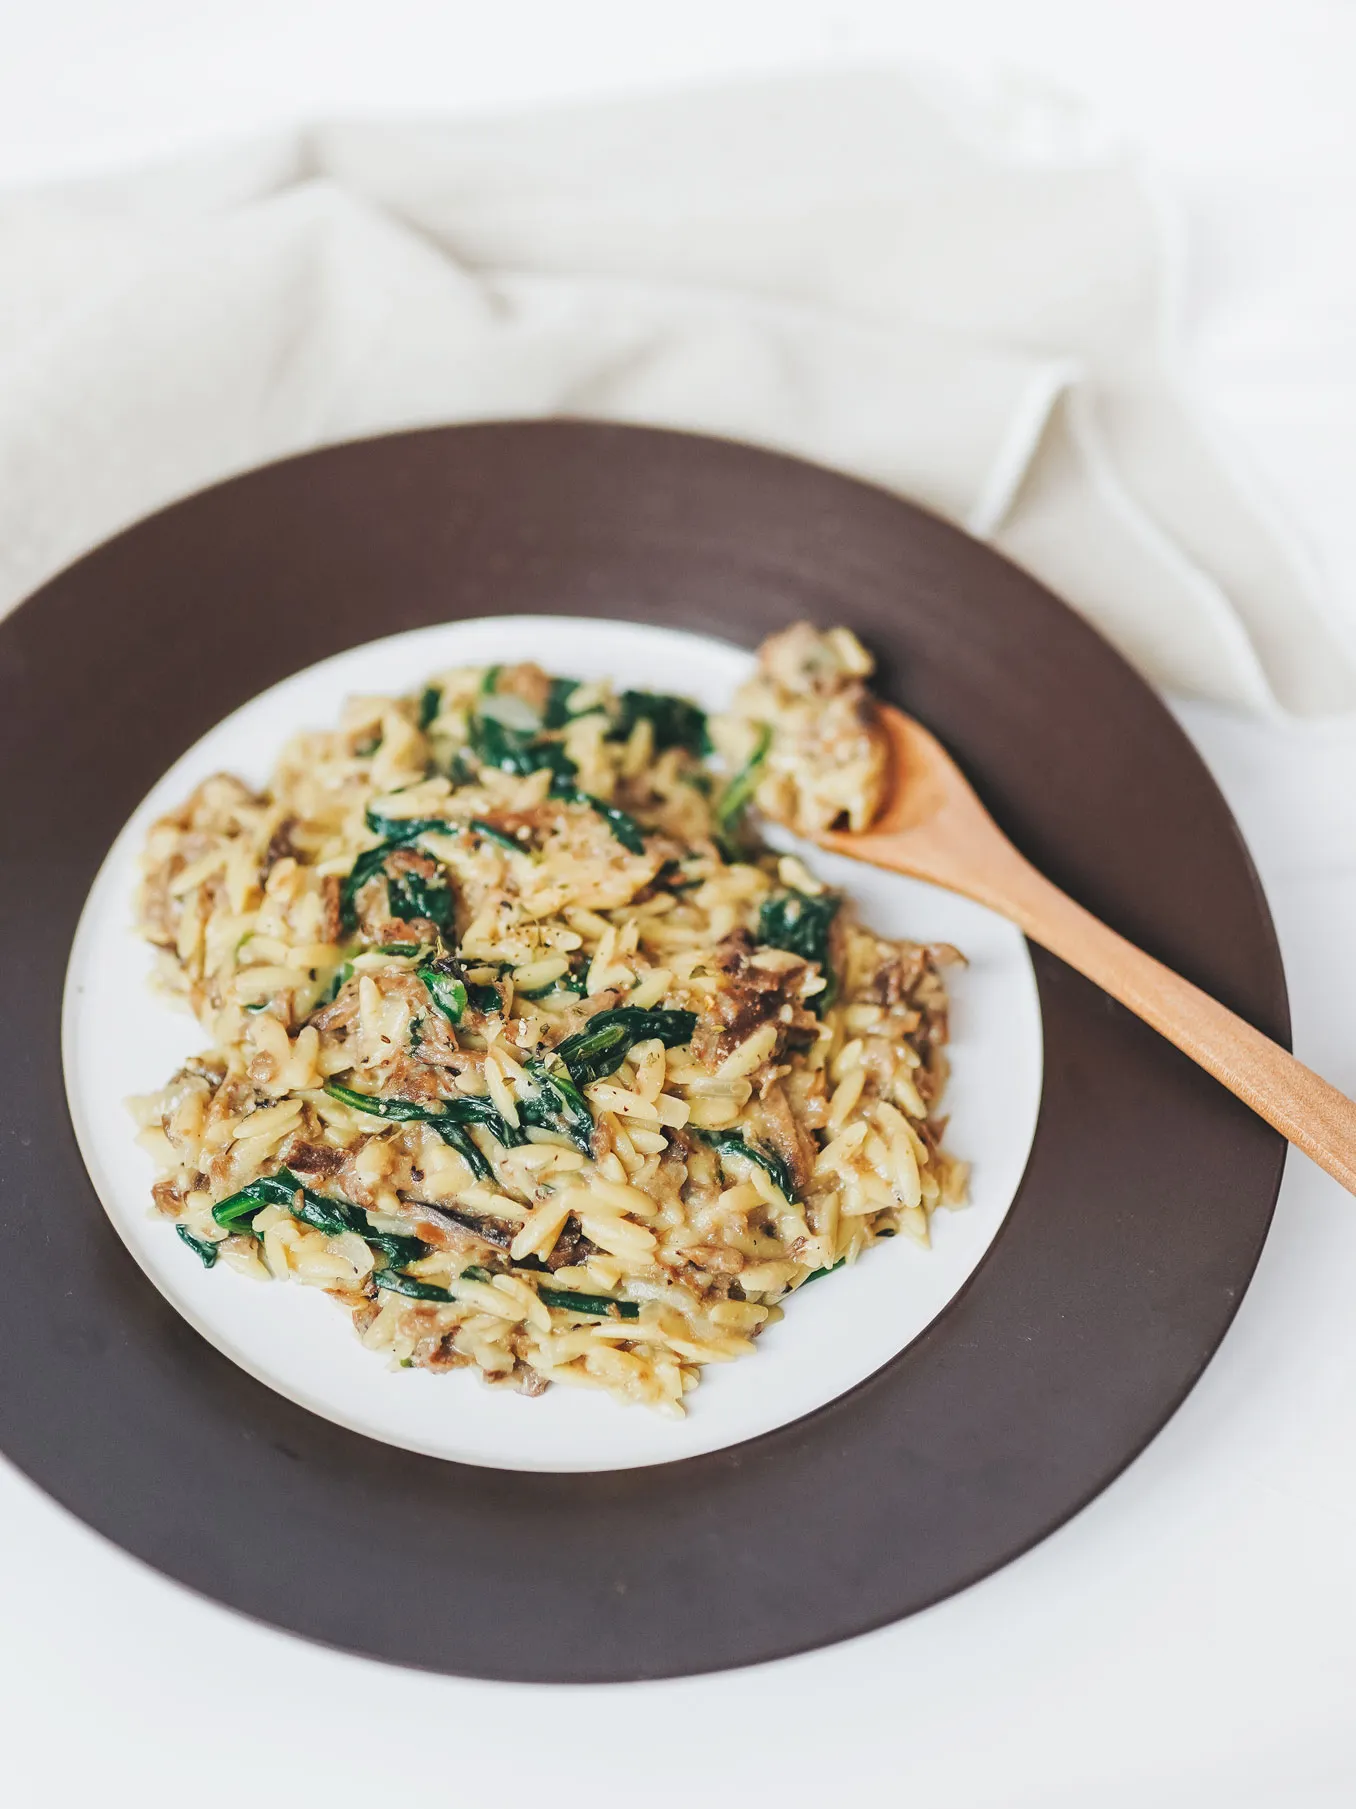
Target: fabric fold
<point>839,268</point>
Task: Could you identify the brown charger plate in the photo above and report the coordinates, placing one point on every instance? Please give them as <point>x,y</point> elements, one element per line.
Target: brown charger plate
<point>1139,1222</point>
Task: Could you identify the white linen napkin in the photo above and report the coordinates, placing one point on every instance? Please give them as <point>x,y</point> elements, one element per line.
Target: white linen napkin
<point>841,267</point>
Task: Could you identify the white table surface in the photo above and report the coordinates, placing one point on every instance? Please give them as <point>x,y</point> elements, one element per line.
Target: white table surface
<point>1188,1639</point>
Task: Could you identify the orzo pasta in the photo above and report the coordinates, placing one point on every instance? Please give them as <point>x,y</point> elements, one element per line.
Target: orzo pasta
<point>523,1047</point>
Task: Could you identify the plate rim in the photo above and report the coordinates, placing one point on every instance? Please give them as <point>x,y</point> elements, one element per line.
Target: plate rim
<point>20,620</point>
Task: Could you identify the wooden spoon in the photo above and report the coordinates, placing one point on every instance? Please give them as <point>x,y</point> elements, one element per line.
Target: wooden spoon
<point>933,827</point>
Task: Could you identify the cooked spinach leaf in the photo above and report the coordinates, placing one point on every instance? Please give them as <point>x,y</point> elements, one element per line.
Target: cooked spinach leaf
<point>368,864</point>
<point>803,925</point>
<point>446,990</point>
<point>737,793</point>
<point>396,1283</point>
<point>332,1216</point>
<point>418,897</point>
<point>280,1189</point>
<point>399,1111</point>
<point>448,1122</point>
<point>429,705</point>
<point>674,721</point>
<point>575,980</point>
<point>600,1048</point>
<point>479,1109</point>
<point>671,878</point>
<point>397,831</point>
<point>457,1137</point>
<point>517,751</point>
<point>406,899</point>
<point>464,1109</point>
<point>598,1306</point>
<point>557,1105</point>
<point>342,976</point>
<point>558,712</point>
<point>625,828</point>
<point>501,836</point>
<point>202,1247</point>
<point>730,1143</point>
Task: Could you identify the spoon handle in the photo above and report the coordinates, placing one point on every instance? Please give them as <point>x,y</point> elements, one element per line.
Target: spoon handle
<point>1297,1102</point>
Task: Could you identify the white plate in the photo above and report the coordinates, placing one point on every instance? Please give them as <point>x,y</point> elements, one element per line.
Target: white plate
<point>119,1038</point>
